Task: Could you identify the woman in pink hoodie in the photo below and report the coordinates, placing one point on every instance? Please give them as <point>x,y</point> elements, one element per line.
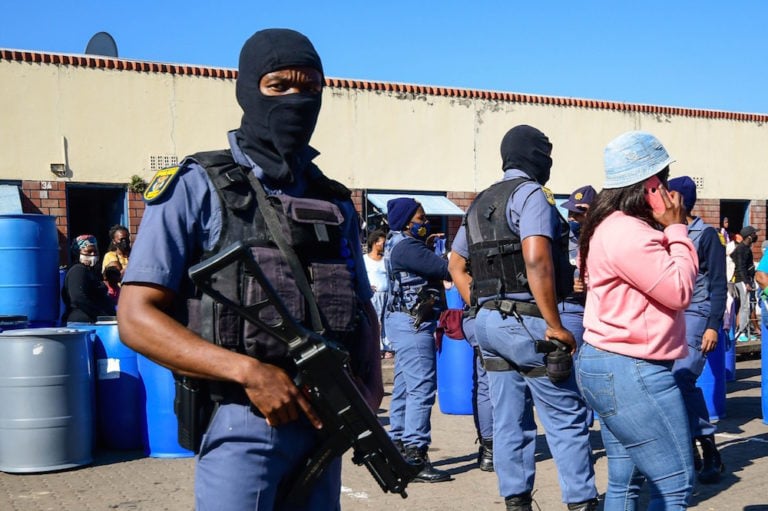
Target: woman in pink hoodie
<point>640,270</point>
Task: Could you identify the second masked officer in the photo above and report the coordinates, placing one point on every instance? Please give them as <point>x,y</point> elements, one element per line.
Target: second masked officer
<point>513,249</point>
<point>416,297</point>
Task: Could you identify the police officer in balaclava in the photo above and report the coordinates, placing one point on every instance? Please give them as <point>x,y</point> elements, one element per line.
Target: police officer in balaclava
<point>277,122</point>
<point>262,429</point>
<point>516,244</point>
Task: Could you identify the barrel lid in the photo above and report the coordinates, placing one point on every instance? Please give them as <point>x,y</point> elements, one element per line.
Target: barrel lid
<point>12,320</point>
<point>43,332</point>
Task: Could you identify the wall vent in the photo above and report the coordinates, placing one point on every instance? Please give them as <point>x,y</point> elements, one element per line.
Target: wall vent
<point>161,161</point>
<point>699,183</point>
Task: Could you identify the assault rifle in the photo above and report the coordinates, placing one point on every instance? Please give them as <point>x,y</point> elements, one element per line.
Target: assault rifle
<point>323,374</point>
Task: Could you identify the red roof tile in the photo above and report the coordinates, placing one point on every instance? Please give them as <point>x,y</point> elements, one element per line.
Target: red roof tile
<point>514,97</point>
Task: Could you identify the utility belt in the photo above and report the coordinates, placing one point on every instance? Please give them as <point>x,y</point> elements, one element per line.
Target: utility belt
<point>425,309</point>
<point>496,364</point>
<point>558,363</point>
<point>508,307</point>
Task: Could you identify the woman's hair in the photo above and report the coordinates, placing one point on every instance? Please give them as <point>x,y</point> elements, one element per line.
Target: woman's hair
<point>630,200</point>
<point>112,231</point>
<point>373,237</point>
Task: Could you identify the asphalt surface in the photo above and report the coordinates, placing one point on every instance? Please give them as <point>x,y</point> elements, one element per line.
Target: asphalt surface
<point>130,481</point>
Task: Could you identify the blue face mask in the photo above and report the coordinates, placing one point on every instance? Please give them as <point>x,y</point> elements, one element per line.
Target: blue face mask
<point>420,231</point>
<point>575,228</point>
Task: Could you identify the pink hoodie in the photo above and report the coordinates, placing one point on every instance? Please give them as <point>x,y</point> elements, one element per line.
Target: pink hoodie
<point>640,280</point>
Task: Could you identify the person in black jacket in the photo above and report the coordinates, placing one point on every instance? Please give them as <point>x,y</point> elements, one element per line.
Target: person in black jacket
<point>703,320</point>
<point>744,276</point>
<point>84,293</point>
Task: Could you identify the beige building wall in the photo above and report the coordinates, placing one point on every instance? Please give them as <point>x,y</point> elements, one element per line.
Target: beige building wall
<point>105,123</point>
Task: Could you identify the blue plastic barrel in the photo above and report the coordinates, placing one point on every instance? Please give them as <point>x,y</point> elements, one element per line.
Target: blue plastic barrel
<point>730,354</point>
<point>161,434</point>
<point>764,369</point>
<point>62,307</point>
<point>120,416</point>
<point>455,368</point>
<point>712,379</point>
<point>29,257</point>
<point>46,391</point>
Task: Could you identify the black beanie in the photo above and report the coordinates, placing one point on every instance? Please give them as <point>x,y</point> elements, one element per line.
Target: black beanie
<point>527,149</point>
<point>400,211</point>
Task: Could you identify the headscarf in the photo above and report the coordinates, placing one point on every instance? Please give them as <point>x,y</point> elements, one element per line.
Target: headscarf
<point>275,130</point>
<point>527,149</point>
<point>78,244</point>
<point>83,241</point>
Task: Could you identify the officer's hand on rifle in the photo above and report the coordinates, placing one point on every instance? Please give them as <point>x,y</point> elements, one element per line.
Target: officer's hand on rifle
<point>563,335</point>
<point>275,395</point>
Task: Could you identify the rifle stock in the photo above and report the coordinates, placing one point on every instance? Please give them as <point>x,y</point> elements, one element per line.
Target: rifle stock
<point>348,421</point>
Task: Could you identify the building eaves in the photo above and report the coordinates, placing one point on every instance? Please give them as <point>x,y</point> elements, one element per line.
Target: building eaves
<point>98,62</point>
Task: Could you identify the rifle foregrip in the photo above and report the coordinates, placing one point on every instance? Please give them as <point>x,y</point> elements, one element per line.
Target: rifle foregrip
<point>202,270</point>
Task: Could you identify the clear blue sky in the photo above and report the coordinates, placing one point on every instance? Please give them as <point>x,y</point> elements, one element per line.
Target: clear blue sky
<point>700,54</point>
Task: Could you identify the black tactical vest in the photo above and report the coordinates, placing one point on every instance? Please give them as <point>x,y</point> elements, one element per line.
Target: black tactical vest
<point>496,253</point>
<point>312,226</point>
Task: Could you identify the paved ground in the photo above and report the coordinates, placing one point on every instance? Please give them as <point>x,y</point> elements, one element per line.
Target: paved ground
<point>129,481</point>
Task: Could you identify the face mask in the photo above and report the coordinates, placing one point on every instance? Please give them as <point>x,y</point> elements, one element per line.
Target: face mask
<point>575,227</point>
<point>124,245</point>
<point>87,260</point>
<point>420,231</point>
<point>291,120</point>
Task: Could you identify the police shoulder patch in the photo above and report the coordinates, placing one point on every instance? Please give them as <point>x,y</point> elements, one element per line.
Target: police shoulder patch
<point>160,183</point>
<point>548,195</point>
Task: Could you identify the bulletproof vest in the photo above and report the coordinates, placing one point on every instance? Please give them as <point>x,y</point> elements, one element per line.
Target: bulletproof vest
<point>404,286</point>
<point>496,252</point>
<point>406,289</point>
<point>312,226</point>
<point>701,287</point>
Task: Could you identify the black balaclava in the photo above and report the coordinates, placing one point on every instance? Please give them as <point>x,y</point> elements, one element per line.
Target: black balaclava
<point>275,130</point>
<point>528,149</point>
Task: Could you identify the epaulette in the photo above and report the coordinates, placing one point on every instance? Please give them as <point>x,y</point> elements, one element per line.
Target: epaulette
<point>548,195</point>
<point>160,183</point>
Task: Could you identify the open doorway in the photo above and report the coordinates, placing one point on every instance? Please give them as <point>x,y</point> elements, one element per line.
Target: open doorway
<point>737,213</point>
<point>93,209</point>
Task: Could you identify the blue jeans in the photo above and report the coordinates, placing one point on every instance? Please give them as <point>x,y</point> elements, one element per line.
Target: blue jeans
<point>560,407</point>
<point>415,384</point>
<point>572,317</point>
<point>687,370</point>
<point>379,301</point>
<point>242,461</point>
<point>644,425</point>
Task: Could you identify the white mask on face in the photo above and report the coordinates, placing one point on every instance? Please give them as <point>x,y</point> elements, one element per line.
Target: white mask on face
<point>88,260</point>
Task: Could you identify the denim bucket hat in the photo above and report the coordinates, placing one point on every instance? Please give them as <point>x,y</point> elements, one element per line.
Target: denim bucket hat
<point>633,157</point>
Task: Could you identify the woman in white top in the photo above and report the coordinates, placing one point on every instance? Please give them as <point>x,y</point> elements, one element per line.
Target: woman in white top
<point>377,275</point>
